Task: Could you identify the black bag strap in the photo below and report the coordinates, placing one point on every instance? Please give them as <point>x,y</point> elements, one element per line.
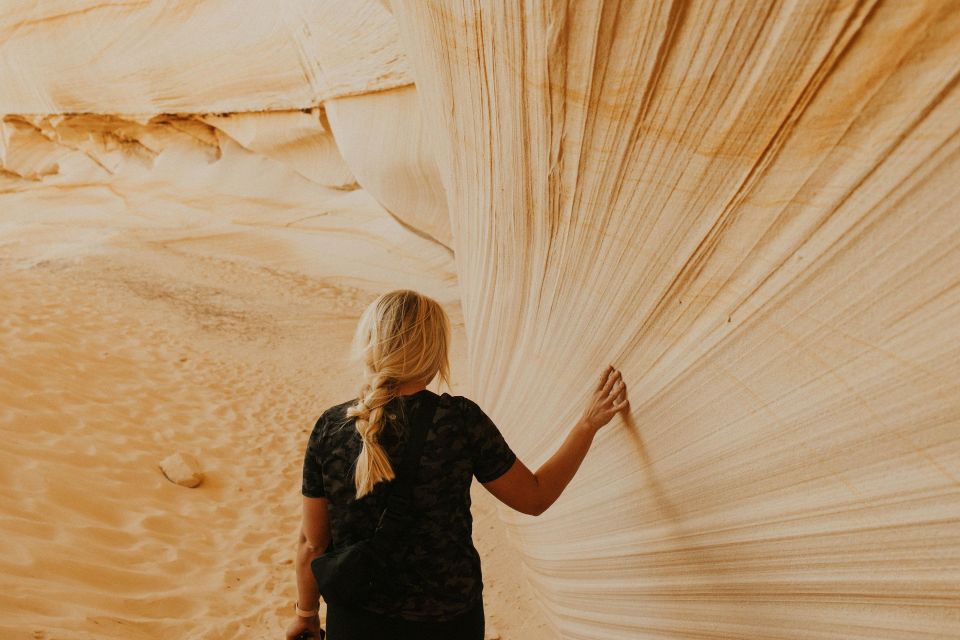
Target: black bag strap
<point>398,512</point>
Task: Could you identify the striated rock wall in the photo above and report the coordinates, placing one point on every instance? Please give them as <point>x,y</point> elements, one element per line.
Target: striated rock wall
<point>752,210</point>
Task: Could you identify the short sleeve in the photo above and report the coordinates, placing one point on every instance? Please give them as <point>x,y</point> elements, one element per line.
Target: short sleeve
<point>490,453</point>
<point>312,485</point>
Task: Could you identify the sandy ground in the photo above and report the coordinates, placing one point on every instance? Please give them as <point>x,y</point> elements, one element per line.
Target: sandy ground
<point>226,343</point>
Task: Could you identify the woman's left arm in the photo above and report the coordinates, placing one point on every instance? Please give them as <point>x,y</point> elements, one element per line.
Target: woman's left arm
<point>313,542</point>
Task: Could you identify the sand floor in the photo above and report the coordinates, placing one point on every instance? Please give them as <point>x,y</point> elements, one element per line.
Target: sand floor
<point>225,343</point>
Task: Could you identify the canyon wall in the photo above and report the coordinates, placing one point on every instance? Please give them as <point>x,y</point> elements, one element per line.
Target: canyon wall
<point>752,210</point>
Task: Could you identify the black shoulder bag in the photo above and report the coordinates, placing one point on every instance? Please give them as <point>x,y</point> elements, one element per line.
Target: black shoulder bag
<point>350,573</point>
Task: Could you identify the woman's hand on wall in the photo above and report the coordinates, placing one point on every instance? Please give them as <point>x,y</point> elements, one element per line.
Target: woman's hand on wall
<point>609,398</point>
<point>533,493</point>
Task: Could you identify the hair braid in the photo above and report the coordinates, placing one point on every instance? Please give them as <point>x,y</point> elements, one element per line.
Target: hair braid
<point>373,465</point>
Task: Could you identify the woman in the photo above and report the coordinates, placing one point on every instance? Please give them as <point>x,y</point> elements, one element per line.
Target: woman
<point>352,455</point>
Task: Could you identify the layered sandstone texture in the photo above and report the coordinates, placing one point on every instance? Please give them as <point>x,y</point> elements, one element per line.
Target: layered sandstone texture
<point>753,210</point>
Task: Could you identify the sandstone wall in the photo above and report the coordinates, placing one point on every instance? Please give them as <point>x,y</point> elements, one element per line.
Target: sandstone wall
<point>752,210</point>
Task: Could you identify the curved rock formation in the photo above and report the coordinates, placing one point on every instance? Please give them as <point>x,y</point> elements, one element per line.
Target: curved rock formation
<point>753,212</point>
<point>298,139</point>
<point>388,147</point>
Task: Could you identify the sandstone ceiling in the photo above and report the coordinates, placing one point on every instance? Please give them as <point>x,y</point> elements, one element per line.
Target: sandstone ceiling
<point>750,208</point>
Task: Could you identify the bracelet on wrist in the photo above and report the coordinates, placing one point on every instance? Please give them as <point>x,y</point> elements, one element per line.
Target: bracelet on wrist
<point>305,614</point>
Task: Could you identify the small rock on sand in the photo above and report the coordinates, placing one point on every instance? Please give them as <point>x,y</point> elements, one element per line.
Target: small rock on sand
<point>182,468</point>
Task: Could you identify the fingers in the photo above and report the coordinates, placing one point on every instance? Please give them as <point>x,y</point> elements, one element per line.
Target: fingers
<point>619,390</point>
<point>603,377</point>
<point>617,395</point>
<point>607,398</point>
<point>612,392</point>
<point>611,380</point>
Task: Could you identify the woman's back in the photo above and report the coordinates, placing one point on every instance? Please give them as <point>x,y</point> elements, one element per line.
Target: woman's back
<point>357,446</point>
<point>438,568</point>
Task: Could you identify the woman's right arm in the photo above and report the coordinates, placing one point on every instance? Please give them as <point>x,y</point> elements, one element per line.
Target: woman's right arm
<point>533,493</point>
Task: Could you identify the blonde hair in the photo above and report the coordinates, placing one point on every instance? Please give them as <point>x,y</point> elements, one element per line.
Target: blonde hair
<point>401,338</point>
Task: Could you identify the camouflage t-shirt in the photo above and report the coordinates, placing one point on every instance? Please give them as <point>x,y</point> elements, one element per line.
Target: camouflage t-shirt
<point>438,568</point>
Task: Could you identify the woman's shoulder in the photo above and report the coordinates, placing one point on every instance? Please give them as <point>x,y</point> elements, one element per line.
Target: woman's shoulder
<point>333,417</point>
<point>465,404</point>
<point>456,403</point>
